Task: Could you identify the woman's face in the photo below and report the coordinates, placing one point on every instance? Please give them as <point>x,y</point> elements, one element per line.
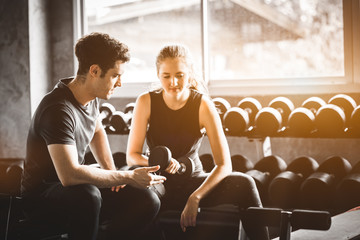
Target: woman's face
<point>174,75</point>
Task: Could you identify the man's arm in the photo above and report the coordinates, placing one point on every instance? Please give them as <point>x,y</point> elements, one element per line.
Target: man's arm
<point>70,172</point>
<point>100,148</point>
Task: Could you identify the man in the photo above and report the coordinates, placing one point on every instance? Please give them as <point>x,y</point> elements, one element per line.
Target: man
<point>56,186</point>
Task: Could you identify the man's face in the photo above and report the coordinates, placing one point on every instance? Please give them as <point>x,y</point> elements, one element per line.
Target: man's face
<point>106,85</point>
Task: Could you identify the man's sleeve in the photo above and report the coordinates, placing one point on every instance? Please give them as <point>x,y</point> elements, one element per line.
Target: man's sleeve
<point>57,125</point>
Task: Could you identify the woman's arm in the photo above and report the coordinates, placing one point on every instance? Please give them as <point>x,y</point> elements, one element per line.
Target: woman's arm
<point>210,120</point>
<point>139,124</point>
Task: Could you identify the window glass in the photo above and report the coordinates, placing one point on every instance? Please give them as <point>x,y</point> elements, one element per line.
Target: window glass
<point>275,39</point>
<point>145,26</point>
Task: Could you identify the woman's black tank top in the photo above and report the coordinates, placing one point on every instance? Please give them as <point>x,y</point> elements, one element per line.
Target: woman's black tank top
<point>179,130</point>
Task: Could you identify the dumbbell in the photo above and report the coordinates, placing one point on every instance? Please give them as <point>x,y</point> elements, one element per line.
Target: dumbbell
<point>272,119</point>
<point>301,122</point>
<point>129,110</point>
<point>222,106</point>
<point>207,162</point>
<point>252,106</point>
<point>355,121</point>
<point>236,121</point>
<point>348,190</point>
<point>284,188</point>
<point>120,122</point>
<point>161,155</point>
<point>106,111</point>
<point>313,104</point>
<point>317,190</point>
<point>346,103</point>
<point>330,121</point>
<point>240,119</point>
<point>241,163</point>
<point>333,119</point>
<point>264,171</point>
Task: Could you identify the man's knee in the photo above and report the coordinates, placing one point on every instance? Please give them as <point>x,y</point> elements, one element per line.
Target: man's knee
<point>152,201</point>
<point>87,196</point>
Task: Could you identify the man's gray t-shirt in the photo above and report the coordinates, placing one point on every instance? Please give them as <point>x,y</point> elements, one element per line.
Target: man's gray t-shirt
<point>59,119</point>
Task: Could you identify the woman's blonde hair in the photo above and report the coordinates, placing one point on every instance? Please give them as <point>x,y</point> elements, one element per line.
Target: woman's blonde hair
<point>182,52</point>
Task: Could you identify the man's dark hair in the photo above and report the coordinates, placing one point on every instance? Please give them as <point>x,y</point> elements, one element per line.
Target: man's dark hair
<point>100,49</point>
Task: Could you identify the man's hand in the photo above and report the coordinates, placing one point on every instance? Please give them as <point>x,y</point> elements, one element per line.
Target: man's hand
<point>143,177</point>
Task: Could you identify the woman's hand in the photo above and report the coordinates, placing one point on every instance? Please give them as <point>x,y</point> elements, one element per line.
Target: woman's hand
<point>189,214</point>
<point>173,166</point>
<point>117,188</point>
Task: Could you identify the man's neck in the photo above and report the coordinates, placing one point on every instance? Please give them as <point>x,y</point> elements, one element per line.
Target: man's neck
<point>79,89</point>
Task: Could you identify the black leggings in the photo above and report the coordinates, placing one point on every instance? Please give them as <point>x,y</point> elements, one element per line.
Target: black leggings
<point>82,208</point>
<point>238,189</point>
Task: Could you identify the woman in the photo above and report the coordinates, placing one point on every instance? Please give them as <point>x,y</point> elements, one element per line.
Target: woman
<point>177,116</point>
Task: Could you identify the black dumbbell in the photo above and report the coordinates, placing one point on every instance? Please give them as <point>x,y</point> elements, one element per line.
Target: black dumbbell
<point>120,122</point>
<point>301,122</point>
<point>222,106</point>
<point>330,121</point>
<point>207,162</point>
<point>355,122</point>
<point>264,171</point>
<point>241,163</point>
<point>284,188</point>
<point>313,104</point>
<point>161,155</point>
<point>284,105</point>
<point>333,119</point>
<point>129,110</point>
<point>318,189</point>
<point>346,103</point>
<point>272,119</point>
<point>106,111</point>
<point>252,106</point>
<point>241,119</point>
<point>236,121</point>
<point>348,190</point>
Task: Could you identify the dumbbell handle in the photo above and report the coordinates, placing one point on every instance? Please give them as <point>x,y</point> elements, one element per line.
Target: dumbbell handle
<point>182,168</point>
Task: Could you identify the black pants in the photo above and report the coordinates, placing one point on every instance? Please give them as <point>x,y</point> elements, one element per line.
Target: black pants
<point>238,189</point>
<point>83,208</point>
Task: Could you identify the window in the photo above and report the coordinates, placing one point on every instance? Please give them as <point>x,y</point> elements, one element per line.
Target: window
<point>253,46</point>
<point>145,26</point>
<point>275,39</point>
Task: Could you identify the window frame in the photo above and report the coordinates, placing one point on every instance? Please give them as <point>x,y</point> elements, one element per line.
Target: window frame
<point>350,83</point>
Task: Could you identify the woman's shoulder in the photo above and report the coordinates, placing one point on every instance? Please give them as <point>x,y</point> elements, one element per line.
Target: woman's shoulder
<point>143,97</point>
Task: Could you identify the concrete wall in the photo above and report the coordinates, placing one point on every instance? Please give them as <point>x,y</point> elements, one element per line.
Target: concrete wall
<point>40,55</point>
<point>36,45</point>
<point>14,77</point>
